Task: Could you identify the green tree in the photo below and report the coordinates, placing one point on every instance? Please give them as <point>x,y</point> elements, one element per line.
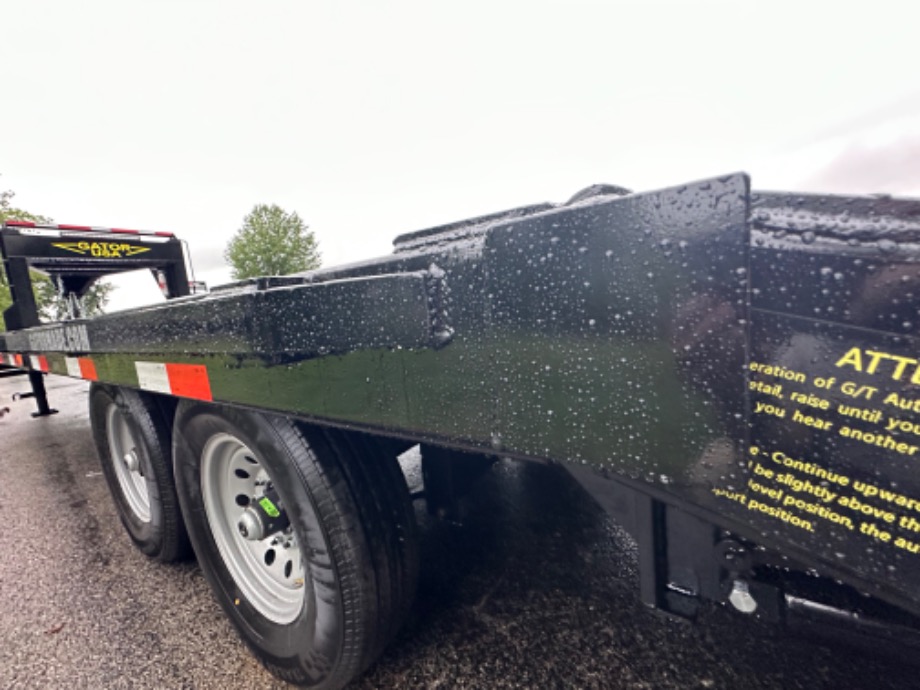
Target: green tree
<point>271,242</point>
<point>50,304</point>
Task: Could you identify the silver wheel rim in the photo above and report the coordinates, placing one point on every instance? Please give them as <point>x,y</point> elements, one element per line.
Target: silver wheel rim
<point>126,461</point>
<point>269,572</point>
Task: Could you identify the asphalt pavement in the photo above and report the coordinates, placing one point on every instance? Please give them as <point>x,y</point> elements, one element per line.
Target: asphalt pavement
<point>535,589</point>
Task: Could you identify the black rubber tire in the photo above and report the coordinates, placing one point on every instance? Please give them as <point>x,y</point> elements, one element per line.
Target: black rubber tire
<point>351,512</point>
<point>163,536</point>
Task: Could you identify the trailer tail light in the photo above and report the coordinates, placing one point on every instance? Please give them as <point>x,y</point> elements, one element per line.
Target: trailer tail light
<point>161,282</point>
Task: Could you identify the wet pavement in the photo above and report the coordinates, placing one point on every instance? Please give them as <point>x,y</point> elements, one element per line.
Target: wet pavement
<point>536,589</point>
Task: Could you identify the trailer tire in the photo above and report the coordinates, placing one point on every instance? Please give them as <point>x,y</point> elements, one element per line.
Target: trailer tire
<point>133,443</point>
<point>351,532</point>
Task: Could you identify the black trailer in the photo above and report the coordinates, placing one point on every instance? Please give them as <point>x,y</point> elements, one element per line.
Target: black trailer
<point>733,375</point>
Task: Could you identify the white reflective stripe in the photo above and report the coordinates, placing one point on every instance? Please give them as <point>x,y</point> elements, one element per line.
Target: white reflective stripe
<point>146,239</point>
<point>99,228</point>
<point>152,376</point>
<point>35,361</point>
<point>40,232</point>
<point>91,231</point>
<point>73,367</point>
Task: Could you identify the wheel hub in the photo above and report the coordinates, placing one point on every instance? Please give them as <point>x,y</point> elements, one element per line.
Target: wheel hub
<point>263,517</point>
<point>126,462</point>
<point>251,529</point>
<point>131,461</point>
<point>250,526</point>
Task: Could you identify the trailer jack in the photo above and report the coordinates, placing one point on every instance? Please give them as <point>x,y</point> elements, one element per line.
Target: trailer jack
<point>36,378</point>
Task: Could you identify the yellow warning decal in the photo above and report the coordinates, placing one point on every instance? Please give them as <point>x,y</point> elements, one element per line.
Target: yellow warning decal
<point>102,250</point>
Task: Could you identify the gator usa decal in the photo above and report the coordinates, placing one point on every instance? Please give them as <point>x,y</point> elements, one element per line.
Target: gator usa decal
<point>102,250</point>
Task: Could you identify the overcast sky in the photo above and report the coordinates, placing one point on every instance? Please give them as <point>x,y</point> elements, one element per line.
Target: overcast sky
<point>374,118</point>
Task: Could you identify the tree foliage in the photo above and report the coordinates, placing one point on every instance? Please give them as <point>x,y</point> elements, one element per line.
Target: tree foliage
<point>50,304</point>
<point>270,242</point>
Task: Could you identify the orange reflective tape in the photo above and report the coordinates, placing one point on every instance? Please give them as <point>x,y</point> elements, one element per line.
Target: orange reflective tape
<point>43,363</point>
<point>189,381</point>
<point>17,359</point>
<point>88,369</point>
